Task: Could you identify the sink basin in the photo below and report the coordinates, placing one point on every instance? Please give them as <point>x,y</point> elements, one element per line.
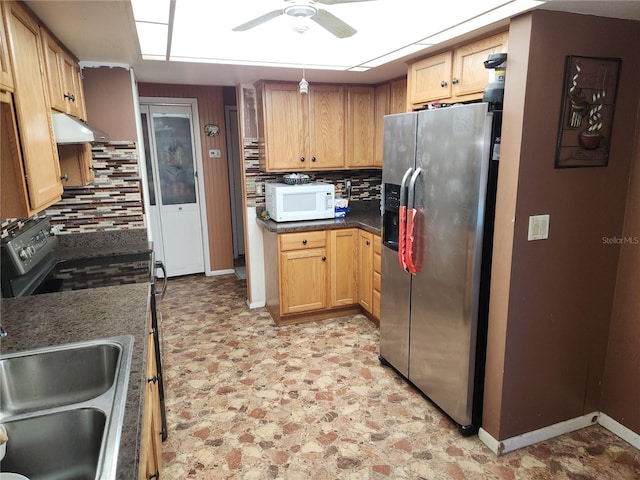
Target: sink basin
<point>52,377</point>
<point>59,445</point>
<point>63,408</point>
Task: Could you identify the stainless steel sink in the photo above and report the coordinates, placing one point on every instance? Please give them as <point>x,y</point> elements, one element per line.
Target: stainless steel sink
<point>63,408</point>
<point>59,445</point>
<point>57,376</point>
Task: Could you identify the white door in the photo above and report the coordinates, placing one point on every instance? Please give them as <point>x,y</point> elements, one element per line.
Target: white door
<point>173,187</point>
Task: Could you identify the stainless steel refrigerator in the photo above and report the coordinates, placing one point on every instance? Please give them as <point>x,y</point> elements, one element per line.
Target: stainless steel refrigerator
<point>439,175</point>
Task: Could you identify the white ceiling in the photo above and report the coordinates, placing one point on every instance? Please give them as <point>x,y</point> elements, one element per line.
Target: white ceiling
<point>103,31</point>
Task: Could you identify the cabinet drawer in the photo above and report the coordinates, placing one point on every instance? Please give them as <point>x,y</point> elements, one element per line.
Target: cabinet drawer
<point>302,240</point>
<point>376,281</point>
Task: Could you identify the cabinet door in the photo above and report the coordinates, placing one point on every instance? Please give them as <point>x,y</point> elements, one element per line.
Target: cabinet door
<point>71,87</point>
<point>398,102</point>
<point>53,68</point>
<point>76,164</point>
<point>303,280</point>
<point>365,270</point>
<point>6,76</point>
<point>33,111</point>
<point>430,79</point>
<point>469,75</point>
<point>377,275</point>
<point>382,108</point>
<point>360,139</point>
<point>284,128</point>
<point>343,255</point>
<point>326,126</point>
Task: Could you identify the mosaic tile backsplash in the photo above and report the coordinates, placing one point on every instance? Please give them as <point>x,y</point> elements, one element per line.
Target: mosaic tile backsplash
<point>365,184</point>
<point>112,202</point>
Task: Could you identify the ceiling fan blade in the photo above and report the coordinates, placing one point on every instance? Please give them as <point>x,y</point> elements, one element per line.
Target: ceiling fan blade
<point>257,21</point>
<point>337,2</point>
<point>333,24</point>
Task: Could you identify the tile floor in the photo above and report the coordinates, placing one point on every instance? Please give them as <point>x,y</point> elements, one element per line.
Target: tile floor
<point>248,400</point>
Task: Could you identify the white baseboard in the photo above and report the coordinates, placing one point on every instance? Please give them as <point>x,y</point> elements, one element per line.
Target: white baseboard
<point>213,273</point>
<point>253,305</point>
<point>620,430</point>
<point>536,436</point>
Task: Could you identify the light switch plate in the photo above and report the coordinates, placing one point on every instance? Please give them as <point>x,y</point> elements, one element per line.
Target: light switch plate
<point>215,153</point>
<point>538,227</point>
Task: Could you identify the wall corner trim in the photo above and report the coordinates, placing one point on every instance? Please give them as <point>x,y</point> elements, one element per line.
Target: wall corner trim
<point>253,305</point>
<point>540,435</point>
<point>215,273</point>
<point>620,430</point>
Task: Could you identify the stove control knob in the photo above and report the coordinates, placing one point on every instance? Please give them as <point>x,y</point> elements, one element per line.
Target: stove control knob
<point>24,254</point>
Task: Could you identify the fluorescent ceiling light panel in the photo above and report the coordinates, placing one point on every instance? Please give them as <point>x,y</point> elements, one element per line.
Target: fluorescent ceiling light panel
<point>153,38</point>
<point>151,11</point>
<point>386,30</point>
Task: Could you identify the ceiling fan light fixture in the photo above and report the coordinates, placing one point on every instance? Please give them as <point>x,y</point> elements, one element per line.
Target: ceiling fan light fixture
<point>300,17</point>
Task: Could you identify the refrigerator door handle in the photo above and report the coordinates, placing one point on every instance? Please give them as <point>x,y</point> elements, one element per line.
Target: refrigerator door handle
<point>412,268</point>
<point>402,219</point>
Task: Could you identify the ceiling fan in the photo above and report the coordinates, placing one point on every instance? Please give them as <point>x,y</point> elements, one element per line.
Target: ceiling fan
<point>307,9</point>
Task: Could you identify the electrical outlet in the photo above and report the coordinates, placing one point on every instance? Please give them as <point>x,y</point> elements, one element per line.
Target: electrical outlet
<point>258,189</point>
<point>215,153</point>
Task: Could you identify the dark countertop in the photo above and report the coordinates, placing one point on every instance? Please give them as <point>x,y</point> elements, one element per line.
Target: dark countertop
<point>90,314</point>
<point>78,315</point>
<point>364,215</point>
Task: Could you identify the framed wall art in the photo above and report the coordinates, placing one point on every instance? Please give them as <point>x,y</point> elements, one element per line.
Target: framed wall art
<point>588,100</point>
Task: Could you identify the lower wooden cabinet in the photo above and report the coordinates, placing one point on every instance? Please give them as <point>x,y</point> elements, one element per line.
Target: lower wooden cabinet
<point>377,275</point>
<point>343,254</point>
<point>365,270</point>
<point>150,459</point>
<point>320,274</point>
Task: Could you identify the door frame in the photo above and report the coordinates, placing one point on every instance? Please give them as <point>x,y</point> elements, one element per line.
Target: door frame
<point>202,201</point>
<point>237,217</point>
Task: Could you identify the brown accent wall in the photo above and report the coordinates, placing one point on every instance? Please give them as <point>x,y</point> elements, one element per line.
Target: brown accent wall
<point>216,175</point>
<point>620,388</point>
<point>552,299</point>
<point>109,101</point>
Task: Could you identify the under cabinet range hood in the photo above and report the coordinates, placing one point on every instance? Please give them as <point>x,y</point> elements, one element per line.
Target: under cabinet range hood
<point>70,130</point>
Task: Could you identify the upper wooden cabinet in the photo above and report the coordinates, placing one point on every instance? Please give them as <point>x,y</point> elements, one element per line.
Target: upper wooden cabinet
<point>360,139</point>
<point>453,76</point>
<point>35,161</point>
<point>63,78</point>
<point>6,76</point>
<point>390,98</point>
<point>76,164</point>
<point>301,132</point>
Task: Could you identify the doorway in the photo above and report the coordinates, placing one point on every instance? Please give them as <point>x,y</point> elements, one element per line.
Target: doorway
<point>171,164</point>
<point>235,166</point>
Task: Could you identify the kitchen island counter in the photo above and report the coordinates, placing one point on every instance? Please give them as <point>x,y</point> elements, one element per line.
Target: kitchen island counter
<point>89,314</point>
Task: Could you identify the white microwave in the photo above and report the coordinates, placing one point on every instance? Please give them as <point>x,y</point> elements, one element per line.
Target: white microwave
<point>290,203</point>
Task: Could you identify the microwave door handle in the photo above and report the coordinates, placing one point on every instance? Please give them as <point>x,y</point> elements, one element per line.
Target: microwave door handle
<point>402,219</point>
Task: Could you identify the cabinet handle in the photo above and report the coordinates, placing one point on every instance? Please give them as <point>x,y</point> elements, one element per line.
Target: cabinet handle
<point>64,177</point>
<point>156,475</point>
<point>368,243</point>
<point>324,259</point>
<point>153,379</point>
<point>302,159</point>
<point>70,96</point>
<point>454,80</point>
<point>443,84</point>
<point>313,159</point>
<point>304,242</point>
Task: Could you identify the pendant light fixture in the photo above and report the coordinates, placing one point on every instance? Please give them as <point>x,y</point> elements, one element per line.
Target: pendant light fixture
<point>304,85</point>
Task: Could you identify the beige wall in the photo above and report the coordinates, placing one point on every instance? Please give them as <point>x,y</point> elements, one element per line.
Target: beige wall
<point>109,99</point>
<point>552,300</point>
<point>216,175</point>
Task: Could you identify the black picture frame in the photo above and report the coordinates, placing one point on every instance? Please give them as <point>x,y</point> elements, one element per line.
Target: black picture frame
<point>588,102</point>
